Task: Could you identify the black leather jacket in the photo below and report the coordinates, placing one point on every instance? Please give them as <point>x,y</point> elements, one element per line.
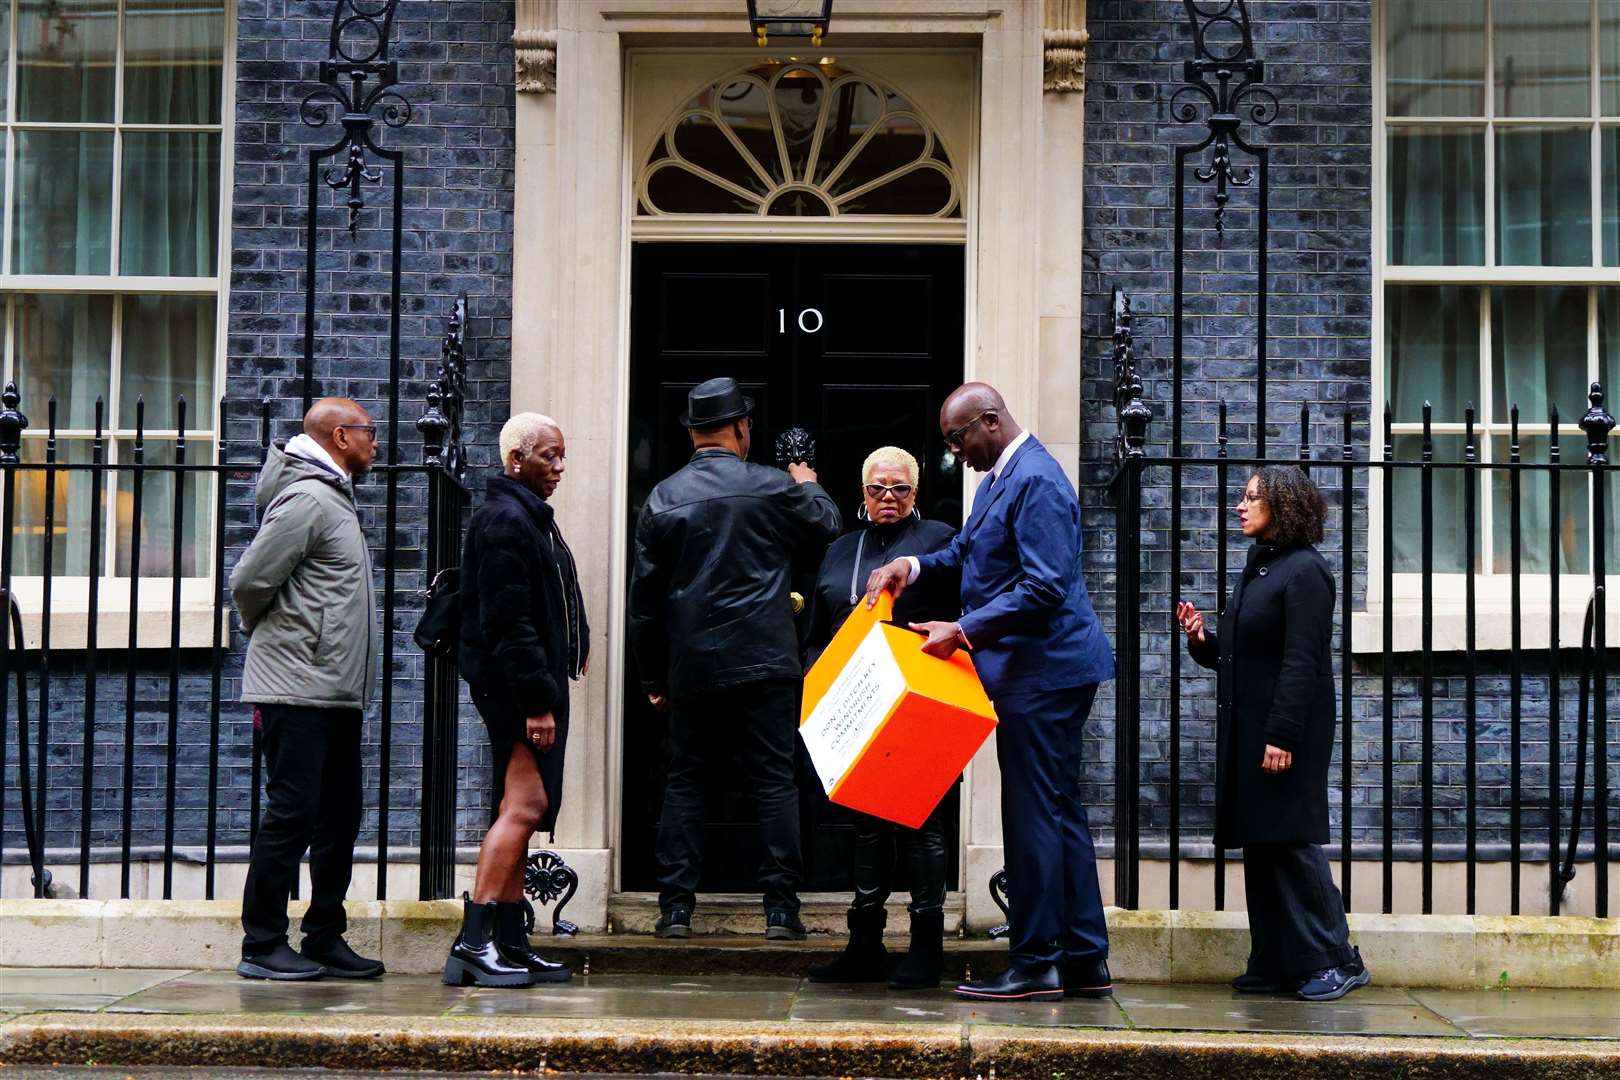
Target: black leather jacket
<point>715,547</point>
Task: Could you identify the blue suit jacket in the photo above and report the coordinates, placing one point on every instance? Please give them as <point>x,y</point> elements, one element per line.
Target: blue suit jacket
<point>1024,600</point>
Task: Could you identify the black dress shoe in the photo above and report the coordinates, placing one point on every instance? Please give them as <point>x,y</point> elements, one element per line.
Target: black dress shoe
<point>783,926</point>
<point>1016,984</point>
<point>340,961</point>
<point>281,964</point>
<point>514,942</point>
<point>1087,979</point>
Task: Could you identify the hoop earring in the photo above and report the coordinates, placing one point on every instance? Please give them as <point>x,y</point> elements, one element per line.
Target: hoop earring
<point>916,513</point>
<point>860,512</point>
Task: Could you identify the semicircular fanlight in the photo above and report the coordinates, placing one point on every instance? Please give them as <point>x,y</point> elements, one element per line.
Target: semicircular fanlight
<point>790,140</point>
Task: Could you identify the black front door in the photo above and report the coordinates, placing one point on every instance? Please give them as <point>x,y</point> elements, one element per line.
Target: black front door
<point>859,344</point>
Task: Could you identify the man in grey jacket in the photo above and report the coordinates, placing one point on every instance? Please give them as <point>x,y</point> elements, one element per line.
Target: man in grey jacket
<point>303,591</point>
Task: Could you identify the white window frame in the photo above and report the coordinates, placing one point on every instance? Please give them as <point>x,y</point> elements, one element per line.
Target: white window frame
<point>70,607</point>
<point>1493,602</point>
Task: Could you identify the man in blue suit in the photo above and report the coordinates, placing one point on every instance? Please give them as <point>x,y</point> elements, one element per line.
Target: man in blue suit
<point>1040,653</point>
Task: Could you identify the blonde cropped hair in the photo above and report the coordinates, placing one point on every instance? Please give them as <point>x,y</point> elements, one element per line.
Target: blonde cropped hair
<point>890,455</point>
<point>521,433</point>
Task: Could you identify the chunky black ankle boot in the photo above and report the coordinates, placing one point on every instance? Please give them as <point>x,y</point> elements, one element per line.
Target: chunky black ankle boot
<point>475,958</point>
<point>864,959</point>
<point>926,954</point>
<point>514,942</point>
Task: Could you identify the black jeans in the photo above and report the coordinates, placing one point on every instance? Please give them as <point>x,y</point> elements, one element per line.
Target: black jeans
<point>923,850</point>
<point>756,725</point>
<point>1296,914</point>
<point>312,759</point>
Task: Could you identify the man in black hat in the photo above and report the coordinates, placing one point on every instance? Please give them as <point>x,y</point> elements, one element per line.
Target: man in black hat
<point>711,623</point>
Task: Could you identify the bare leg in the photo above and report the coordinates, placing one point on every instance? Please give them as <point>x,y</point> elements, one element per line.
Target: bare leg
<point>506,845</point>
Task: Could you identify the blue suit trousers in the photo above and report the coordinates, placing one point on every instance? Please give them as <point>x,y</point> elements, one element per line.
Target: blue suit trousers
<point>1057,913</point>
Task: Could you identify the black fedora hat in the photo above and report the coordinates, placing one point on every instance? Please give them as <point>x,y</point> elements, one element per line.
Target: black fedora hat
<point>709,404</point>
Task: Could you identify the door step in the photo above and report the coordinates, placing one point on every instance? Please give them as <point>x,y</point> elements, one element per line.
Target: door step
<point>743,914</point>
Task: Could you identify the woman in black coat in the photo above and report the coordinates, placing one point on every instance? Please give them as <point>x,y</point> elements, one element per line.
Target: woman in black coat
<point>523,638</point>
<point>889,527</point>
<point>1273,657</point>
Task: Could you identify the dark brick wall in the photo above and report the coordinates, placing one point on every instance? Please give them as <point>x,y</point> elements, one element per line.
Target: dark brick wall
<point>456,70</point>
<point>1318,63</point>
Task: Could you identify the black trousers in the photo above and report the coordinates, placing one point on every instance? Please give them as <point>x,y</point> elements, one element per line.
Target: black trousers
<point>755,725</point>
<point>923,850</point>
<point>1057,912</point>
<point>312,803</point>
<point>1296,915</point>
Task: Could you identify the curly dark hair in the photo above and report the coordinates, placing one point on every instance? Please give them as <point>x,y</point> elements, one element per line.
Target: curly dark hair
<point>1296,504</point>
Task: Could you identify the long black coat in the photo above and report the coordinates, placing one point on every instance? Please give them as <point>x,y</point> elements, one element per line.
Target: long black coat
<point>523,629</point>
<point>1272,653</point>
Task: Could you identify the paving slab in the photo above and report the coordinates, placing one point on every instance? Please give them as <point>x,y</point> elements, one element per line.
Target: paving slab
<point>74,989</point>
<point>1547,1014</point>
<point>732,997</point>
<point>1206,1008</point>
<point>818,1003</point>
<point>225,992</point>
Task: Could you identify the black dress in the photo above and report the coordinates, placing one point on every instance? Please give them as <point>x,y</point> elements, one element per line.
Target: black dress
<point>523,629</point>
<point>839,587</point>
<point>1273,656</point>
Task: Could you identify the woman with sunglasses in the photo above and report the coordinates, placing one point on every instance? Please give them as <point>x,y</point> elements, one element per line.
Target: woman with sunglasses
<point>888,527</point>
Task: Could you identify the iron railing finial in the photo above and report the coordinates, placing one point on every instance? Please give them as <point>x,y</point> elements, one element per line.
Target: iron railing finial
<point>12,423</point>
<point>1597,423</point>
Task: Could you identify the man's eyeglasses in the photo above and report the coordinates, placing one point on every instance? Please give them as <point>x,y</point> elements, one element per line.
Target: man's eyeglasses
<point>899,491</point>
<point>369,429</point>
<point>953,440</point>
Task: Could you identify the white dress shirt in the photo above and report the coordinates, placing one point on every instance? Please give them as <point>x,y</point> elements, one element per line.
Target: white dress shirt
<point>995,474</point>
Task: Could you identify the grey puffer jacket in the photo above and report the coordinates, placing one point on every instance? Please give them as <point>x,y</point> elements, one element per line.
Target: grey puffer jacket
<point>303,590</point>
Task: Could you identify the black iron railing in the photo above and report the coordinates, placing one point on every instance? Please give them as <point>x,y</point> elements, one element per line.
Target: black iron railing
<point>1354,478</point>
<point>43,666</point>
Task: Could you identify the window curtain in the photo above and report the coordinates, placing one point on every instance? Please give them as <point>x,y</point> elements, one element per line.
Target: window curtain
<point>1543,211</point>
<point>1436,207</point>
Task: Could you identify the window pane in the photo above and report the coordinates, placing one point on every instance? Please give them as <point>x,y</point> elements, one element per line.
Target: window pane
<point>65,60</point>
<point>170,206</point>
<point>64,347</point>
<point>1611,195</point>
<point>168,351</point>
<point>1436,197</point>
<point>63,203</point>
<point>1436,55</point>
<point>1431,347</point>
<point>1543,57</point>
<point>1609,346</point>
<point>1448,527</point>
<point>1538,351</point>
<point>174,53</point>
<point>70,512</point>
<point>1543,200</point>
<point>1609,17</point>
<point>1535,489</point>
<point>157,511</point>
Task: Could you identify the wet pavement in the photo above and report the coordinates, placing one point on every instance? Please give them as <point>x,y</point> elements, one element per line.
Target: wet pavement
<point>800,1005</point>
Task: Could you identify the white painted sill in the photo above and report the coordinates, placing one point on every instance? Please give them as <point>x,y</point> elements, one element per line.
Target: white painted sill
<point>70,613</point>
<point>1493,624</point>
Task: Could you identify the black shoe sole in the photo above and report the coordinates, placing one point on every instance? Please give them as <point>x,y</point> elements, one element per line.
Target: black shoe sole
<point>551,978</point>
<point>354,973</point>
<point>1027,995</point>
<point>249,970</point>
<point>673,932</point>
<point>1090,991</point>
<point>783,933</point>
<point>457,973</point>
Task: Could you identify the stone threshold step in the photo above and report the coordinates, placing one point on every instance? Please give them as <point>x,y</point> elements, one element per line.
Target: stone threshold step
<point>744,913</point>
<point>727,954</point>
<point>735,1048</point>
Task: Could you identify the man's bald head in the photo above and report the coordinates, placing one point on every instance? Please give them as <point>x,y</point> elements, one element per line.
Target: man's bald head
<point>344,430</point>
<point>975,416</point>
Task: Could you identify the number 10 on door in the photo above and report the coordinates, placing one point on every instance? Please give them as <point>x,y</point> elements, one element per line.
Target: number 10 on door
<point>809,320</point>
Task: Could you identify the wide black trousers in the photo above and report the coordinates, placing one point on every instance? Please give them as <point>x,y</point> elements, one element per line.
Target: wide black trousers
<point>754,725</point>
<point>312,803</point>
<point>1296,914</point>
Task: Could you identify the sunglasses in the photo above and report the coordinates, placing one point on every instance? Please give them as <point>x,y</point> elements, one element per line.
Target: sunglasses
<point>953,440</point>
<point>899,491</point>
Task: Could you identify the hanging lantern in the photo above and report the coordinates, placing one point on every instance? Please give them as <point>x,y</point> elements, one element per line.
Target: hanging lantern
<point>790,19</point>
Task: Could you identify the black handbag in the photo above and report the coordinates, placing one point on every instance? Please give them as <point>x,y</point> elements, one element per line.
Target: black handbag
<point>440,625</point>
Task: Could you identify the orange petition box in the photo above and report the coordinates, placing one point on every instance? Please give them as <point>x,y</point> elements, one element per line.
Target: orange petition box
<point>888,728</point>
